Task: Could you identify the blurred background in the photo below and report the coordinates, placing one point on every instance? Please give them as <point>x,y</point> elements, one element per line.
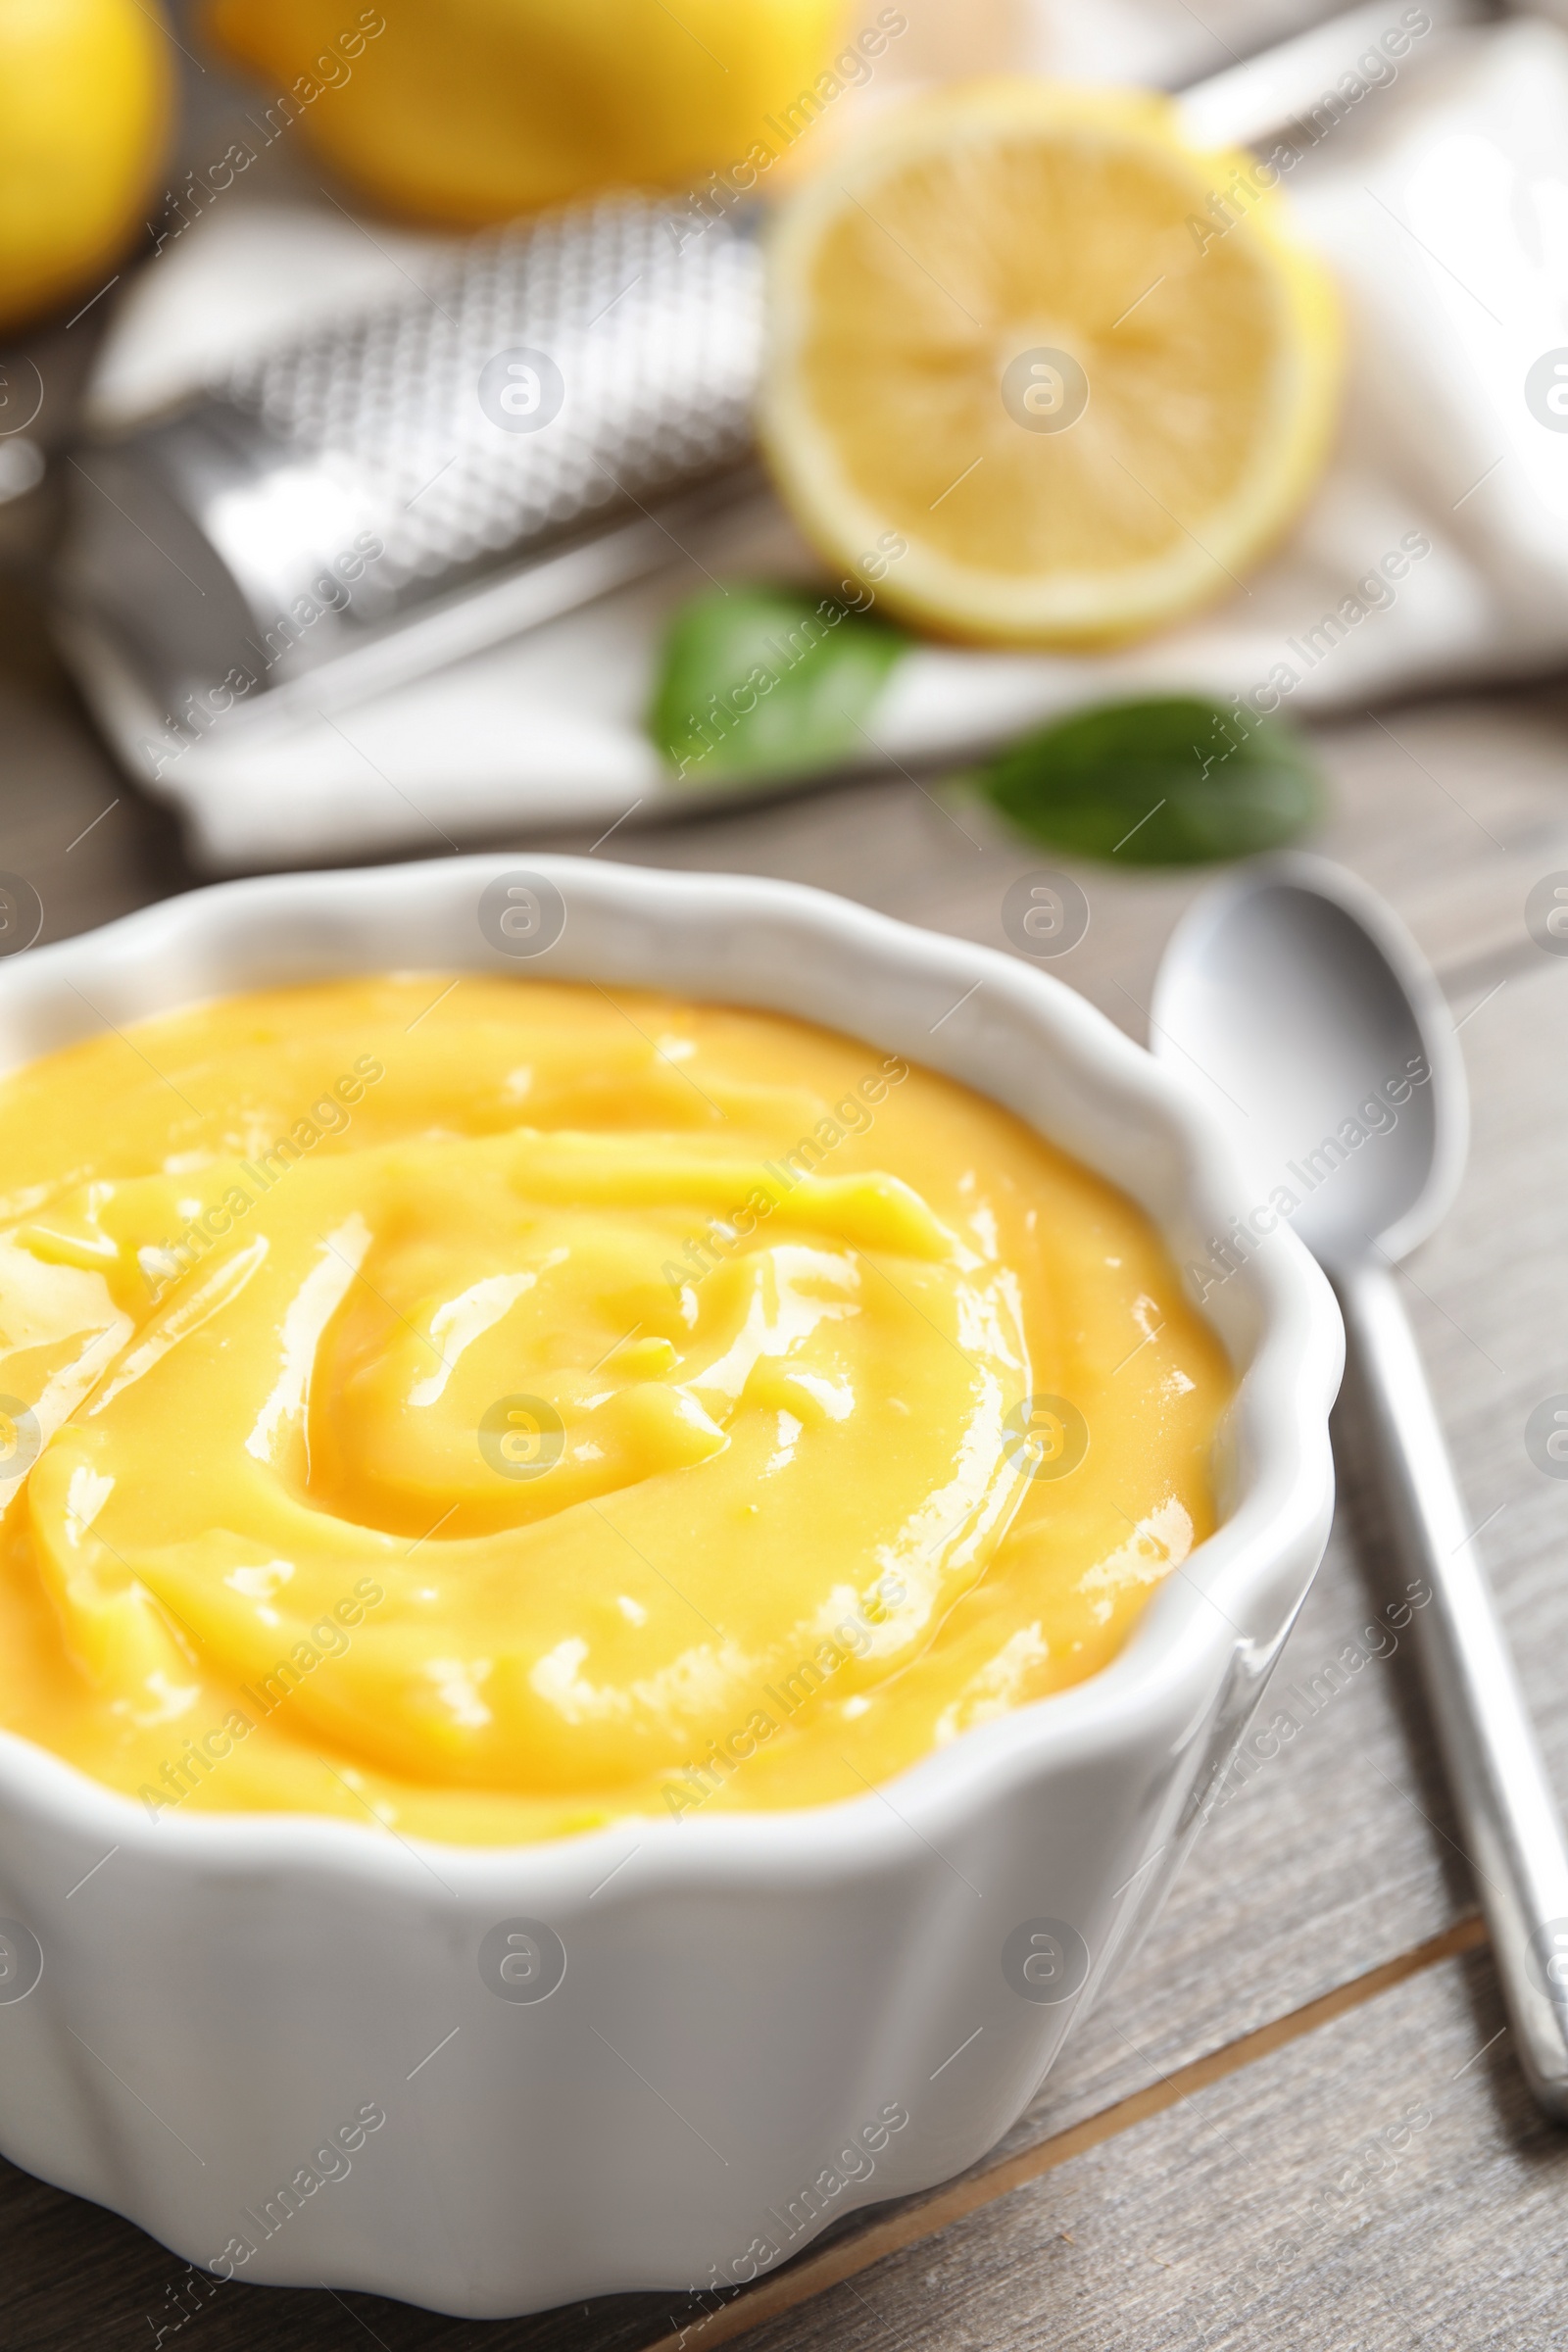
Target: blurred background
<point>883,444</point>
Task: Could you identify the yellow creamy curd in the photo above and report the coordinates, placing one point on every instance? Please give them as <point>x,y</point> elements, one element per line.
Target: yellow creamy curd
<point>493,1408</point>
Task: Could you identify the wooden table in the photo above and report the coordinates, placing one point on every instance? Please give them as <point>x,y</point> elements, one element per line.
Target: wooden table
<point>1297,2121</point>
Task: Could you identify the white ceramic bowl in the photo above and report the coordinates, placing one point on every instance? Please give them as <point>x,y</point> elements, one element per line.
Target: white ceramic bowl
<point>757,2026</point>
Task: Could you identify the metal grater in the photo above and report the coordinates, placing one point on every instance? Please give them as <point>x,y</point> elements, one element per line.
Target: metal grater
<point>436,474</point>
<point>633,328</point>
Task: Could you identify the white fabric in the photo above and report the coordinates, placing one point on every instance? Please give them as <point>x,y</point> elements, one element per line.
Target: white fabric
<point>1443,202</point>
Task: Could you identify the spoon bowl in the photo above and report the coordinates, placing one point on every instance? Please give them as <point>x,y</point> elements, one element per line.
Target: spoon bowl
<point>1299,1001</point>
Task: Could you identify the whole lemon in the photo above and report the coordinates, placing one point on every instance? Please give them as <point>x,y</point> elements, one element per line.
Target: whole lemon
<point>86,93</point>
<point>470,111</point>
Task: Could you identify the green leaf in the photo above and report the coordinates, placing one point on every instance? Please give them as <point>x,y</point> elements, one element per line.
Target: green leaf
<point>1172,781</point>
<point>762,681</point>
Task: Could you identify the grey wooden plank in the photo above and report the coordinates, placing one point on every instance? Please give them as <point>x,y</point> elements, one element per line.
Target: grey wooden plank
<point>70,823</point>
<point>1382,2184</point>
<point>75,2275</point>
<point>1493,1317</point>
<point>1453,810</point>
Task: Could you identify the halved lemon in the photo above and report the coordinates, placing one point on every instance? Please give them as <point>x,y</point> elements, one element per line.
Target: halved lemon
<point>1081,373</point>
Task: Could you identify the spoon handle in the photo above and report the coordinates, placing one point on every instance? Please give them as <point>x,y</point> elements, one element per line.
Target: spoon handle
<point>1510,1826</point>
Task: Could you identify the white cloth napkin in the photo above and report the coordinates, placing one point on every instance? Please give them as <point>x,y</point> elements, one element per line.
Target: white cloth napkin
<point>1434,551</point>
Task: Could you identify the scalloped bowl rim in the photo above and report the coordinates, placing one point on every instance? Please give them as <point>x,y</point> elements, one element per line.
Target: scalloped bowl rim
<point>1281,1418</point>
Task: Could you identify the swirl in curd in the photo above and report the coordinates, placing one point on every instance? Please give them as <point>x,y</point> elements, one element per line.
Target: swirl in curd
<point>490,1408</point>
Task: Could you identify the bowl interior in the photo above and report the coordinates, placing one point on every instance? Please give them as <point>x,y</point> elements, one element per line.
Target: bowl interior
<point>977,1015</point>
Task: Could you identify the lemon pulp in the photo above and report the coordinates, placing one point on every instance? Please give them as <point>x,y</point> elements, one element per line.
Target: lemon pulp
<point>1012,330</point>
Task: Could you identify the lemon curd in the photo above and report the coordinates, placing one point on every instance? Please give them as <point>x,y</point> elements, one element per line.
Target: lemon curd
<point>491,1408</point>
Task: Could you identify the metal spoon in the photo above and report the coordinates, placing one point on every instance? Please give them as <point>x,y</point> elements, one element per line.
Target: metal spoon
<point>1302,1001</point>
